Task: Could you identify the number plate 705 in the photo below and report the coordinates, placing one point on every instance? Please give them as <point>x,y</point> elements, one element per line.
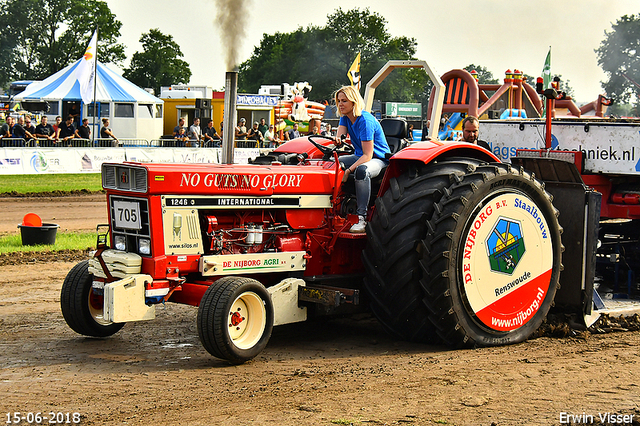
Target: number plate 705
<point>127,214</point>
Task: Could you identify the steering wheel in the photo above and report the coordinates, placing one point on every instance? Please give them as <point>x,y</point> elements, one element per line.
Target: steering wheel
<point>328,151</point>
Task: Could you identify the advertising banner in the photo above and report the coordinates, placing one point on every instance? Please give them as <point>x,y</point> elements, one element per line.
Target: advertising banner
<point>606,147</point>
<point>19,161</point>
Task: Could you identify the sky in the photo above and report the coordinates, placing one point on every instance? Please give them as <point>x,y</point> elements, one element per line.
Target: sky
<point>496,34</point>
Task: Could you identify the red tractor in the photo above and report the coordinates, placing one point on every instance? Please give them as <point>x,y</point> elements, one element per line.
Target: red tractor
<point>459,247</point>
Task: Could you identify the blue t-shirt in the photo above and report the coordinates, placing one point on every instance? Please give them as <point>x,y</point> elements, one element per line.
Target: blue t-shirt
<point>366,128</point>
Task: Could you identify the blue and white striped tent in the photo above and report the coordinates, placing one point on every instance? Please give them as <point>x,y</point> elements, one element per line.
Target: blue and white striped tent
<point>132,111</point>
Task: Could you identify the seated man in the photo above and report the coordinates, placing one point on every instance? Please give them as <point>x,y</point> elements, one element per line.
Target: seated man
<point>293,133</point>
<point>181,138</point>
<point>470,130</point>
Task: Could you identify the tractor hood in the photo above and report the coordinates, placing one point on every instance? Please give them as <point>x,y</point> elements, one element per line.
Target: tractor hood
<point>212,179</point>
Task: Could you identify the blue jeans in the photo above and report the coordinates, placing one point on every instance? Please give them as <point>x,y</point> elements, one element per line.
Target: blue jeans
<point>363,174</point>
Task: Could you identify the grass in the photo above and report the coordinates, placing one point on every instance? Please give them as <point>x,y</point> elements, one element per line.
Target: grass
<point>28,184</point>
<point>64,241</point>
<point>24,184</point>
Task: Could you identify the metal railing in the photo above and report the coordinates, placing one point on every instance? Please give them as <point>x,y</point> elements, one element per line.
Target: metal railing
<point>143,143</point>
<point>14,142</point>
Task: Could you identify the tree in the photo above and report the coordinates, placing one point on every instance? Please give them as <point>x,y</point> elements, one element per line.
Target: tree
<point>158,64</point>
<point>619,57</point>
<point>40,37</point>
<point>322,56</point>
<point>484,75</point>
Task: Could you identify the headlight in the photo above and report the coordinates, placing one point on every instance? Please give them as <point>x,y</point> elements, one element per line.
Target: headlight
<point>120,242</point>
<point>145,246</point>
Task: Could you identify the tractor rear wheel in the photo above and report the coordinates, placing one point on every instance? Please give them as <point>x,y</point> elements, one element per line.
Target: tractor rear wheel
<point>492,257</point>
<point>393,256</point>
<point>235,319</point>
<point>464,250</point>
<point>82,306</point>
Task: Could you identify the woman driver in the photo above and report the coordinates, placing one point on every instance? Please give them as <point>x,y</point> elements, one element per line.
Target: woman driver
<point>370,146</point>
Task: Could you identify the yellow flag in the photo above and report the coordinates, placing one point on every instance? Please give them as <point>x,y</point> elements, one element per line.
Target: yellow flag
<point>354,72</point>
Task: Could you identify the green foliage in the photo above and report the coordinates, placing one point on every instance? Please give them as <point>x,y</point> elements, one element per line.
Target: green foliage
<point>619,56</point>
<point>323,55</point>
<point>158,64</point>
<point>484,75</point>
<point>623,110</point>
<point>24,184</point>
<point>40,37</point>
<point>64,241</point>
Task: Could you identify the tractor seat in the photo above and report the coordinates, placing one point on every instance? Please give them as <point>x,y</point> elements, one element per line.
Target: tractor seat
<point>395,130</point>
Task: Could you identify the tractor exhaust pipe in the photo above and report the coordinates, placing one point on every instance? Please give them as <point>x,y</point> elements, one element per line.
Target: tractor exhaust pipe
<point>230,113</point>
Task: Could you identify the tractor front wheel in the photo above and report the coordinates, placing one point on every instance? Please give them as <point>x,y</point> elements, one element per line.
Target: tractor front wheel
<point>82,305</point>
<point>235,319</point>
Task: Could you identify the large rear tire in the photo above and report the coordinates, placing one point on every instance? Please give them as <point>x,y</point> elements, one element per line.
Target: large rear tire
<point>393,257</point>
<point>235,319</point>
<point>493,258</point>
<point>82,306</point>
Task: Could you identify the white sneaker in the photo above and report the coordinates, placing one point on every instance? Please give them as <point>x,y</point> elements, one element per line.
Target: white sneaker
<point>360,227</point>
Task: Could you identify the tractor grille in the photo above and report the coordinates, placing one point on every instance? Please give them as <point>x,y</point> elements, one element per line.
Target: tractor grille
<point>124,178</point>
<point>131,230</point>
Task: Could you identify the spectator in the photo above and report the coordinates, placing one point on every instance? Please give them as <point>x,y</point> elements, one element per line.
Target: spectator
<point>240,134</point>
<point>74,113</point>
<point>293,133</point>
<point>255,135</point>
<point>195,133</point>
<point>410,133</point>
<point>271,137</point>
<point>211,137</point>
<point>327,130</point>
<point>315,130</point>
<point>56,126</point>
<point>18,132</point>
<point>425,130</point>
<point>263,126</point>
<point>221,132</point>
<point>470,130</point>
<point>84,131</point>
<point>241,130</point>
<point>181,138</point>
<point>45,133</point>
<point>5,130</point>
<point>109,139</point>
<point>178,127</point>
<point>66,131</point>
<point>28,127</point>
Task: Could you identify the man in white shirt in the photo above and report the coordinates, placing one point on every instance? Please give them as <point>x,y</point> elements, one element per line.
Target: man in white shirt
<point>195,133</point>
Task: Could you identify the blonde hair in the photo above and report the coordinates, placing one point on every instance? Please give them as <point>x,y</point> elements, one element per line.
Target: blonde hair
<point>352,95</point>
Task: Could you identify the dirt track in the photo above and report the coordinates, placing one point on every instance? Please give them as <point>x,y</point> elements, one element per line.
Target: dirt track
<point>337,372</point>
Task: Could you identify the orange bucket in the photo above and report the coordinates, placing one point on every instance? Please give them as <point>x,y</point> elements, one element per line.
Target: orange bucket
<point>31,219</point>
